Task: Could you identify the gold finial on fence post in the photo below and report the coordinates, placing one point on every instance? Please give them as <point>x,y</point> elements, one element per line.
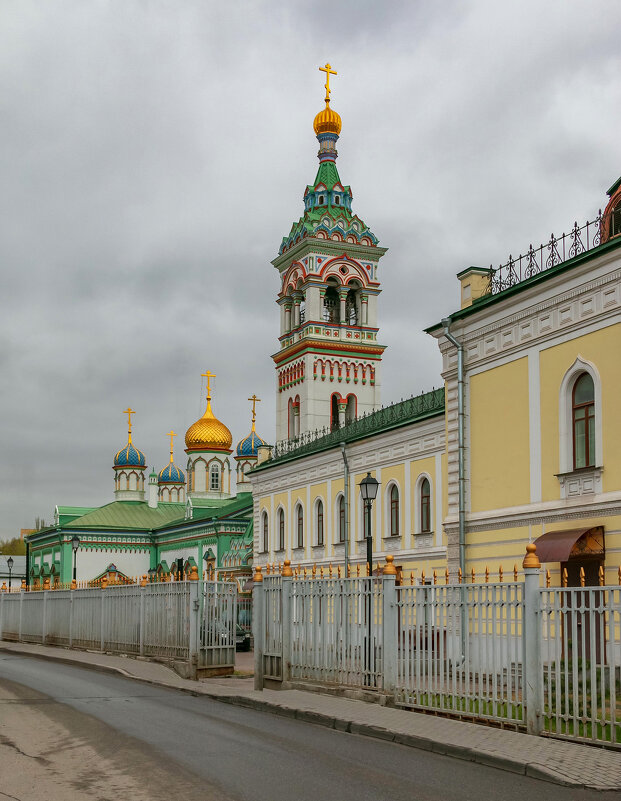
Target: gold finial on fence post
<point>582,577</point>
<point>412,578</point>
<point>305,572</point>
<point>472,576</point>
<point>531,559</point>
<point>486,574</point>
<point>104,582</point>
<point>73,585</point>
<point>446,576</point>
<point>389,568</point>
<point>358,572</point>
<point>500,574</point>
<point>434,578</point>
<point>422,577</point>
<point>515,573</point>
<point>548,578</point>
<point>194,573</point>
<point>564,577</point>
<point>600,575</point>
<point>314,571</point>
<point>459,576</point>
<point>321,571</point>
<point>143,581</point>
<point>338,571</point>
<point>3,588</point>
<point>330,570</point>
<point>46,583</point>
<point>286,569</point>
<point>23,584</point>
<point>258,576</point>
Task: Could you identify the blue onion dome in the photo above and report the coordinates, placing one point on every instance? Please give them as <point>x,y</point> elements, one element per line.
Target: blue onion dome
<point>249,446</point>
<point>171,474</point>
<point>130,456</point>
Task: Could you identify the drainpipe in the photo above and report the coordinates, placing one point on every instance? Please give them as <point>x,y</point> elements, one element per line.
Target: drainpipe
<point>346,496</point>
<point>460,444</point>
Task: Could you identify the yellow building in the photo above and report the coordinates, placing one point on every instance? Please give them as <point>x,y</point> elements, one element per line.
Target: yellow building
<point>522,444</point>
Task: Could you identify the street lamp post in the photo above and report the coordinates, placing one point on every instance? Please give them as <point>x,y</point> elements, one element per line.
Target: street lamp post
<point>75,544</point>
<point>368,493</point>
<point>9,564</point>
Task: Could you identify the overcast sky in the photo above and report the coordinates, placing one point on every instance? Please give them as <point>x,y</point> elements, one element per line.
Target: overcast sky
<point>153,154</point>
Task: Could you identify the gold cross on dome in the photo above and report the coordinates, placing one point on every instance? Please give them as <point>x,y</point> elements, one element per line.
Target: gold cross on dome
<point>329,71</point>
<point>254,401</point>
<point>171,434</point>
<point>129,411</point>
<point>208,376</point>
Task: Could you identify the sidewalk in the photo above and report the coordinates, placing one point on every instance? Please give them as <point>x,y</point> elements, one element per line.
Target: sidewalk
<point>557,761</point>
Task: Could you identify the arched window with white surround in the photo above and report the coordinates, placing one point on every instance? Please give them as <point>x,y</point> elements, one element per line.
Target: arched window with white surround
<point>281,529</point>
<point>265,533</point>
<point>423,505</point>
<point>340,518</point>
<point>319,522</point>
<point>214,477</point>
<point>299,526</point>
<point>393,498</point>
<point>580,426</point>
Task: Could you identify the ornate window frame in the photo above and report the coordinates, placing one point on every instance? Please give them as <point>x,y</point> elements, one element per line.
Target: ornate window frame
<point>575,483</point>
<point>418,528</point>
<point>265,531</point>
<point>319,501</point>
<point>392,484</point>
<point>298,517</point>
<point>281,528</point>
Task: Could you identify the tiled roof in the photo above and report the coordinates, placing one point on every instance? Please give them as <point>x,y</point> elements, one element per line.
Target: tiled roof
<point>130,515</point>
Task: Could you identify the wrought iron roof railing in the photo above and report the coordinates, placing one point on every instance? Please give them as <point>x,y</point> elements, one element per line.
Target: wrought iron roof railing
<point>406,411</point>
<point>538,260</point>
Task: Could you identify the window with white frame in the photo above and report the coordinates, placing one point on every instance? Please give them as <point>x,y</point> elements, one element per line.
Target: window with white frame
<point>281,529</point>
<point>393,498</point>
<point>299,526</point>
<point>319,522</point>
<point>214,477</point>
<point>580,418</point>
<point>265,532</point>
<point>341,518</point>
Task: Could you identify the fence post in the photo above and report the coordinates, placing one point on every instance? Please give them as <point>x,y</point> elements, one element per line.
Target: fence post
<point>71,597</point>
<point>1,612</point>
<point>389,625</point>
<point>102,633</point>
<point>143,589</point>
<point>531,624</point>
<point>43,617</point>
<point>285,600</point>
<point>21,603</point>
<point>258,625</point>
<point>193,585</point>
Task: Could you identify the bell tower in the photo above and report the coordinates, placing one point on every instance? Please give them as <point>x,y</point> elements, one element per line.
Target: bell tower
<point>328,362</point>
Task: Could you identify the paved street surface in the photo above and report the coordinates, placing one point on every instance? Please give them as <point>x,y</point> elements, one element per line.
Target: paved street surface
<point>105,736</point>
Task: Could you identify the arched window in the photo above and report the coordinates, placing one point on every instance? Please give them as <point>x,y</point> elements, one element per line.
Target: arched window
<point>319,522</point>
<point>351,308</point>
<point>341,508</point>
<point>299,526</point>
<point>281,530</point>
<point>394,511</point>
<point>583,418</point>
<point>350,411</point>
<point>214,478</point>
<point>334,411</point>
<point>331,305</point>
<point>265,532</point>
<point>425,506</point>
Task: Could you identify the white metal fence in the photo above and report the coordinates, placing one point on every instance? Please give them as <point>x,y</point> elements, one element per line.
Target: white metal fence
<point>511,653</point>
<point>191,621</point>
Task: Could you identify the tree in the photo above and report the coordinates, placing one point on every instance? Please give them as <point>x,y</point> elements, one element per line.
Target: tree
<point>15,547</point>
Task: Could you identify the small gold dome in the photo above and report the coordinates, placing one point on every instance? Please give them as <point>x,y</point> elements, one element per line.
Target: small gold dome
<point>208,433</point>
<point>327,121</point>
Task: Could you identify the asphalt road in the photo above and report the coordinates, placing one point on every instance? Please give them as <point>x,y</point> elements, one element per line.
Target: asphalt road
<point>175,744</point>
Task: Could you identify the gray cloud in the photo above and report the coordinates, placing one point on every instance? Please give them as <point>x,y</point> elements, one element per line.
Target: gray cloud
<point>154,154</point>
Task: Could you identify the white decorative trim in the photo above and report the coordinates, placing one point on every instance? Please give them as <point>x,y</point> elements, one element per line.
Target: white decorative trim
<point>439,489</point>
<point>586,481</point>
<point>386,533</point>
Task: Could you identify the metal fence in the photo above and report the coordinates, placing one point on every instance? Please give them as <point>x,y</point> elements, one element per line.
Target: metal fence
<point>511,653</point>
<point>336,631</point>
<point>581,663</point>
<point>191,621</point>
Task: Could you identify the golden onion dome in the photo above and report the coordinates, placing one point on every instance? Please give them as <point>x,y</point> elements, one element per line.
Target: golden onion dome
<point>208,433</point>
<point>327,121</point>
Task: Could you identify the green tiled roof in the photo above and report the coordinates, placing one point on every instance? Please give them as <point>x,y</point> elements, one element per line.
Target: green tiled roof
<point>68,513</point>
<point>130,515</point>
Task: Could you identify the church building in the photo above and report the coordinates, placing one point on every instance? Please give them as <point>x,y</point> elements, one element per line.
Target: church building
<point>520,444</point>
<point>164,523</point>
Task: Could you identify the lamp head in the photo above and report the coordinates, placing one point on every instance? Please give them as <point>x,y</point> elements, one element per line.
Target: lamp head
<point>368,488</point>
<point>9,562</point>
<point>75,542</point>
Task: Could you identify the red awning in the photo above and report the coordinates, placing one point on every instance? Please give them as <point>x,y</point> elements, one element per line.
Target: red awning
<point>555,546</point>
